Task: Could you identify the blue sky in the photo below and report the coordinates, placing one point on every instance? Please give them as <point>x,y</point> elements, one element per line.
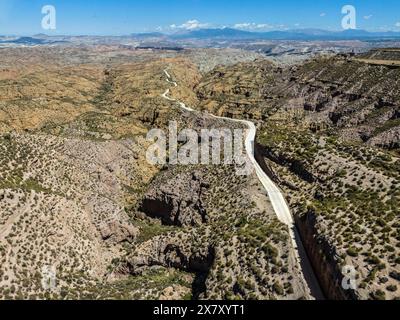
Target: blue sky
<point>117,17</point>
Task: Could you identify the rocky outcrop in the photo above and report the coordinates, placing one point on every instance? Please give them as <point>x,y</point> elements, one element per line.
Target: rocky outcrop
<point>323,257</point>
<point>293,165</point>
<point>389,139</point>
<point>178,201</point>
<point>169,251</point>
<point>117,232</point>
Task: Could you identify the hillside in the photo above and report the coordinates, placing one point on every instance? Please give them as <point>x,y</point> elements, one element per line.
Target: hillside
<point>79,197</point>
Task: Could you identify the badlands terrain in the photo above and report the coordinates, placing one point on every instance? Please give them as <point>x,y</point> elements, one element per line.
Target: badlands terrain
<point>78,195</point>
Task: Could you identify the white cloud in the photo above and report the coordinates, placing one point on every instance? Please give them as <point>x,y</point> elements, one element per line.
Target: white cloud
<point>368,17</point>
<point>245,25</point>
<point>190,25</point>
<point>263,26</point>
<point>323,14</point>
<point>252,26</point>
<point>397,24</point>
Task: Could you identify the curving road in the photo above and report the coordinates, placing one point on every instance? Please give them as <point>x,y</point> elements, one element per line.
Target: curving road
<point>275,195</point>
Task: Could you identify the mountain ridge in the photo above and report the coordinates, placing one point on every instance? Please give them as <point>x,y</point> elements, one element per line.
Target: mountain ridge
<point>295,34</point>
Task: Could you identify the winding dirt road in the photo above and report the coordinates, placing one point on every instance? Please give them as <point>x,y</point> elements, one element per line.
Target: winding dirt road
<point>275,195</point>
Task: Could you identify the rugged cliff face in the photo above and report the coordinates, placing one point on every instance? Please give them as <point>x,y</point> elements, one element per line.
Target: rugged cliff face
<point>177,201</point>
<point>345,200</point>
<point>226,234</point>
<point>358,99</point>
<point>324,259</point>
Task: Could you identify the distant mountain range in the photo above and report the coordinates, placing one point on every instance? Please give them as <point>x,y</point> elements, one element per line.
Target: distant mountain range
<point>217,34</point>
<point>148,35</point>
<point>29,41</point>
<point>301,34</point>
<point>25,40</point>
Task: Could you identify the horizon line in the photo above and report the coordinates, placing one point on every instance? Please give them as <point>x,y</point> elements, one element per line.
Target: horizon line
<point>53,34</point>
